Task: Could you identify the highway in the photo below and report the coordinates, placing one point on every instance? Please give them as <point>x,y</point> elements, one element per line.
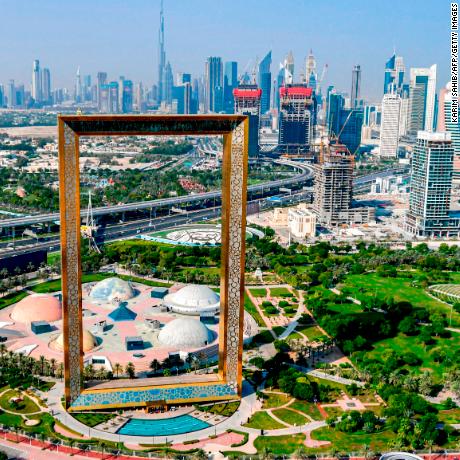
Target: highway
<point>130,229</point>
<point>306,172</point>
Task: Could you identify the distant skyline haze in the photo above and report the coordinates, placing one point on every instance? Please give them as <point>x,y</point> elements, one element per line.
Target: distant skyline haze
<point>121,37</point>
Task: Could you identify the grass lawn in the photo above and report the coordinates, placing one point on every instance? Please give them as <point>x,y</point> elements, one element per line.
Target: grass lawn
<point>12,298</point>
<point>10,420</point>
<point>353,442</point>
<point>400,288</point>
<point>278,330</point>
<point>312,332</point>
<point>53,257</point>
<point>275,400</point>
<point>280,445</point>
<point>252,310</point>
<point>93,418</point>
<point>258,292</point>
<point>27,406</point>
<point>280,292</point>
<point>402,344</point>
<point>333,411</point>
<point>307,408</point>
<point>225,409</point>
<point>263,421</point>
<point>450,416</point>
<point>291,417</point>
<point>345,308</point>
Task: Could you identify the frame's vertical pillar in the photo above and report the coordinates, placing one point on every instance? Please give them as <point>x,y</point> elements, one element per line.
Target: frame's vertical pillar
<point>234,170</point>
<point>69,199</point>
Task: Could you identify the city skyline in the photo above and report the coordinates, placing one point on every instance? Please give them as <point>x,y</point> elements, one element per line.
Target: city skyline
<point>137,58</point>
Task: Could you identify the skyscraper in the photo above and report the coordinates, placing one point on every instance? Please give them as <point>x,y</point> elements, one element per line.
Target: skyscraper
<point>161,57</point>
<point>213,85</point>
<point>101,81</point>
<point>355,86</point>
<point>264,80</point>
<point>248,102</point>
<point>296,118</point>
<point>289,69</point>
<point>36,81</point>
<point>429,211</point>
<point>126,103</point>
<point>394,74</point>
<point>350,124</point>
<point>11,94</point>
<point>445,124</point>
<point>422,95</point>
<point>311,77</point>
<point>334,185</point>
<point>167,84</point>
<point>230,83</point>
<point>389,131</point>
<point>46,86</point>
<point>78,87</point>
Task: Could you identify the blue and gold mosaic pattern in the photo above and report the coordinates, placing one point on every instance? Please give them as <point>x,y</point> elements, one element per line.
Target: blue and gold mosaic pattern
<point>139,397</point>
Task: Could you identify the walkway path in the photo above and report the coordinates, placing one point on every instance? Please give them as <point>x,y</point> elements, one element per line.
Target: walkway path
<point>295,321</point>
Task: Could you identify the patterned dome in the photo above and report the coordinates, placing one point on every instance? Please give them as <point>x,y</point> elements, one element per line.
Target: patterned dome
<point>37,307</point>
<point>193,299</point>
<point>185,332</point>
<point>111,289</point>
<point>89,341</point>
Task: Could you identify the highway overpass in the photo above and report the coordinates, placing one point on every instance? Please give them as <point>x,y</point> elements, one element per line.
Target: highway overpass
<point>306,173</point>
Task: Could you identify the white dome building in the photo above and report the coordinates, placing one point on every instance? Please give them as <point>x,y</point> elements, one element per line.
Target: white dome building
<point>185,333</point>
<point>111,289</point>
<point>193,299</point>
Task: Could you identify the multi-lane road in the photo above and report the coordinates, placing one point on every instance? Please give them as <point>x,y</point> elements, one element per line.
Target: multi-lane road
<point>306,173</point>
<point>124,230</point>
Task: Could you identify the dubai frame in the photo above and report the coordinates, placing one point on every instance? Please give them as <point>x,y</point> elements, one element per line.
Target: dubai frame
<point>227,384</point>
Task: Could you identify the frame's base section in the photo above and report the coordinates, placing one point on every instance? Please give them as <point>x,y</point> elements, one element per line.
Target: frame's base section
<point>144,396</point>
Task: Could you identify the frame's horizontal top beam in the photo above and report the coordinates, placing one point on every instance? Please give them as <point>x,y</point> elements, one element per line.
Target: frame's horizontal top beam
<point>138,125</point>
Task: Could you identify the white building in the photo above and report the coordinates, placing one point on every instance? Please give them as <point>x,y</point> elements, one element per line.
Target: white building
<point>389,131</point>
<point>193,299</point>
<point>302,222</point>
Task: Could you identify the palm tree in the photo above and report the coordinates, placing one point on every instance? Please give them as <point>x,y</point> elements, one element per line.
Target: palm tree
<point>429,445</point>
<point>300,453</point>
<point>102,446</point>
<point>155,365</point>
<point>118,368</point>
<point>42,361</point>
<point>130,370</point>
<point>3,350</point>
<point>71,443</point>
<point>52,366</point>
<point>200,454</point>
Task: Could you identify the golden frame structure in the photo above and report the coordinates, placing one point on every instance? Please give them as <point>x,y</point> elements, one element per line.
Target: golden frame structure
<point>234,129</point>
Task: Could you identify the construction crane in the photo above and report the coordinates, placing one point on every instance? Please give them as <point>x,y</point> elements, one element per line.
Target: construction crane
<point>88,231</point>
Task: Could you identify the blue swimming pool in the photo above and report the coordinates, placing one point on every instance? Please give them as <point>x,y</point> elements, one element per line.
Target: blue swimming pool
<point>162,427</point>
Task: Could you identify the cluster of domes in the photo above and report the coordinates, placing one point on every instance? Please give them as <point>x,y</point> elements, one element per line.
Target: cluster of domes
<point>37,307</point>
<point>185,332</point>
<point>193,299</point>
<point>112,289</point>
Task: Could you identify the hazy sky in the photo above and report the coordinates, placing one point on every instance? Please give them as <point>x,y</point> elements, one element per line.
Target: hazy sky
<point>121,36</point>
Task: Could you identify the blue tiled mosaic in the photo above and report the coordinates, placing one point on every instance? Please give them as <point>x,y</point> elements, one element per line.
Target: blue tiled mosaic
<point>122,397</point>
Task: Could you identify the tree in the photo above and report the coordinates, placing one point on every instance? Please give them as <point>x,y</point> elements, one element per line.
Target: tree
<point>130,370</point>
<point>155,365</point>
<point>408,326</point>
<point>117,368</point>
